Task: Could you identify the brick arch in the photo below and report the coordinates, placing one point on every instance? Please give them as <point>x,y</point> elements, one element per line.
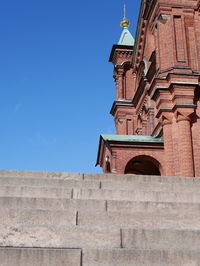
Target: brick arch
<point>143,165</point>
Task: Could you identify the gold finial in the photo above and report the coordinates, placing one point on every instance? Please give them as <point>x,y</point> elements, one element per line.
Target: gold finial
<point>125,22</point>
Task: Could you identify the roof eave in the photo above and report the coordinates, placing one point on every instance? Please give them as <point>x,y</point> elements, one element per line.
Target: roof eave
<point>119,46</point>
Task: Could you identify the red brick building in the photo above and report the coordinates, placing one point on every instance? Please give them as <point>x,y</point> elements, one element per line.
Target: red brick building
<point>157,106</point>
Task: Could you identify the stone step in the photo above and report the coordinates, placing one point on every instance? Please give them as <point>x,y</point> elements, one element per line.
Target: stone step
<point>49,182</point>
<point>30,191</point>
<point>140,257</point>
<point>152,207</point>
<point>84,217</point>
<point>161,239</point>
<point>52,204</point>
<point>139,220</point>
<point>99,205</point>
<point>156,196</point>
<point>40,257</point>
<point>140,178</point>
<point>108,177</point>
<point>96,184</point>
<point>14,217</point>
<point>150,186</point>
<point>59,236</point>
<point>98,194</point>
<point>40,174</point>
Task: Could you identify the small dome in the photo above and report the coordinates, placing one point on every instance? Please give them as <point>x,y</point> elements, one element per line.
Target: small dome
<point>124,23</point>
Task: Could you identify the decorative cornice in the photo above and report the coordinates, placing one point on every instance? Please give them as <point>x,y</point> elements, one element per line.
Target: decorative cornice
<point>174,108</point>
<point>159,113</point>
<point>120,103</point>
<point>120,48</point>
<point>170,83</point>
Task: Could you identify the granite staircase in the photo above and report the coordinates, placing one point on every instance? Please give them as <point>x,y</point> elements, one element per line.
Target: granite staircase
<point>61,219</point>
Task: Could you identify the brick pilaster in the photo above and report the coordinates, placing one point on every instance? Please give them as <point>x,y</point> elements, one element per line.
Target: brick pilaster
<point>168,148</point>
<point>185,147</point>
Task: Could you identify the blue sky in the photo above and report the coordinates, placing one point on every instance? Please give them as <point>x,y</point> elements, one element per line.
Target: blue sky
<point>56,83</point>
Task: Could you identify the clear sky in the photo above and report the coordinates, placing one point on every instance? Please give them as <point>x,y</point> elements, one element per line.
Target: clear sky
<point>55,81</point>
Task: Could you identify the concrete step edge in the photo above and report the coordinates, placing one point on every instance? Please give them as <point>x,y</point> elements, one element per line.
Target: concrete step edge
<point>118,181</point>
<point>39,174</point>
<point>138,191</point>
<point>88,213</point>
<point>146,178</point>
<point>18,181</point>
<point>108,201</point>
<point>142,249</point>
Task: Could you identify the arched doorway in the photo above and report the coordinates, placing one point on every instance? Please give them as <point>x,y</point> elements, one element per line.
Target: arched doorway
<point>143,165</point>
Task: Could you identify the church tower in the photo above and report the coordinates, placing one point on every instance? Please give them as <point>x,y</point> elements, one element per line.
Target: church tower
<point>157,106</point>
<point>121,57</point>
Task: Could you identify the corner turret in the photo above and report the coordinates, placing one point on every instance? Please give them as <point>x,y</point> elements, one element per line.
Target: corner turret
<point>121,57</point>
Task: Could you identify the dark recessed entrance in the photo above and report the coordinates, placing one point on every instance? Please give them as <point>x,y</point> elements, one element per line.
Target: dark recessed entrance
<point>142,165</point>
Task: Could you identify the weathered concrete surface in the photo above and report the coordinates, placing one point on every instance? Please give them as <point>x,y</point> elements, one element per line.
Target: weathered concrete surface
<point>14,217</point>
<point>151,186</point>
<point>52,204</point>
<point>140,257</point>
<point>40,174</point>
<point>141,178</point>
<point>59,236</point>
<point>161,239</point>
<point>115,220</point>
<point>136,195</point>
<point>156,207</point>
<point>39,257</point>
<point>39,192</point>
<point>144,220</point>
<point>48,182</point>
